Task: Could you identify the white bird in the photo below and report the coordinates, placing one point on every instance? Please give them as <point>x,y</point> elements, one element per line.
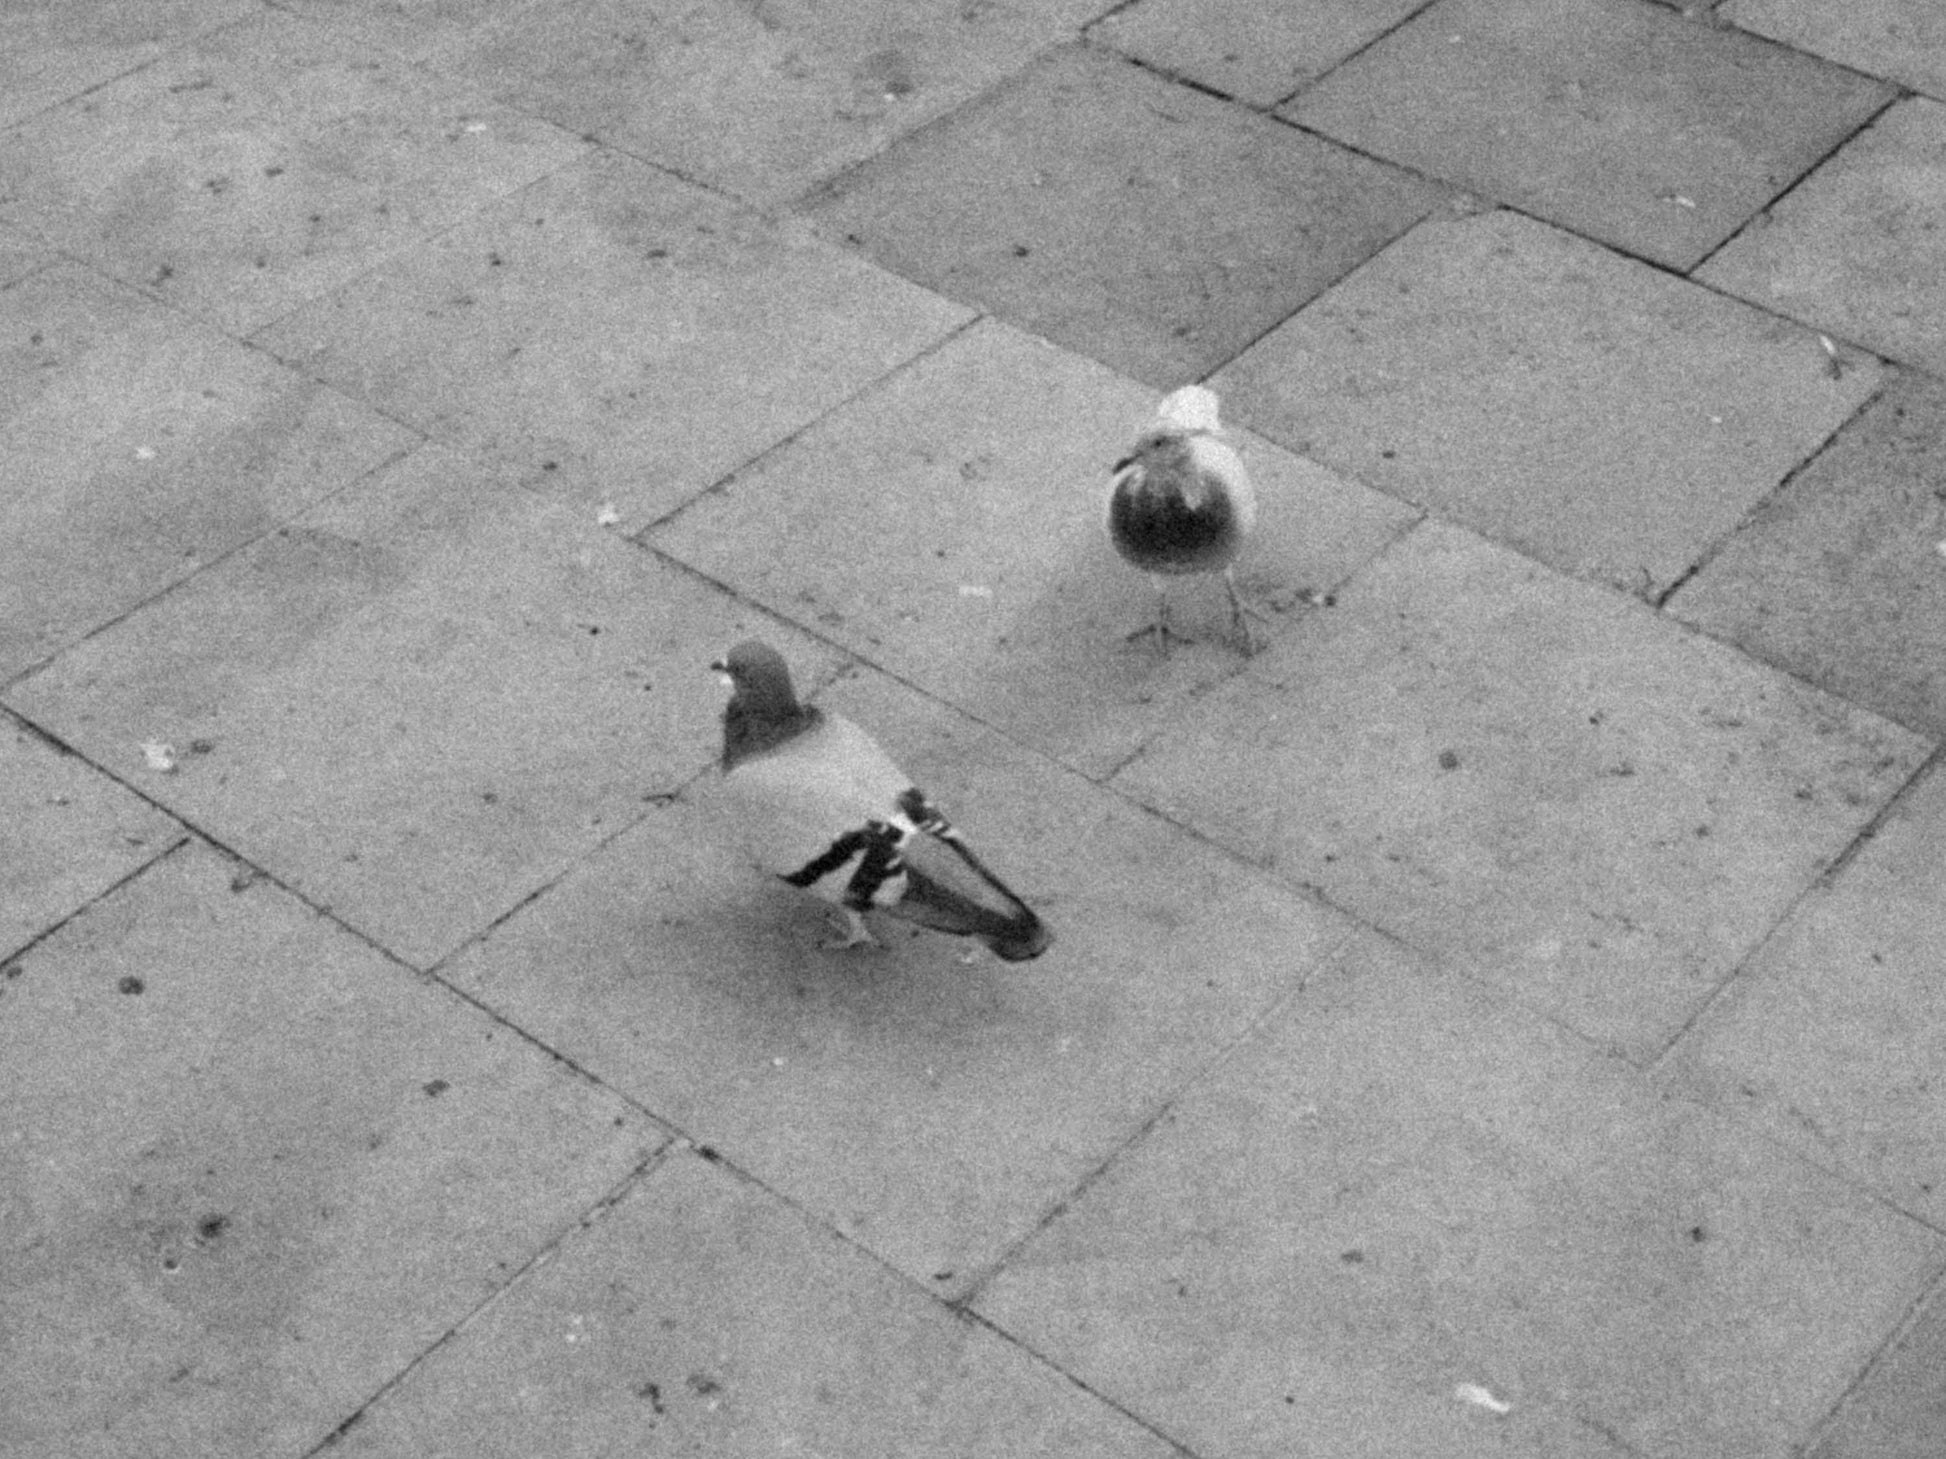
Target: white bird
<point>1181,502</point>
<point>825,809</point>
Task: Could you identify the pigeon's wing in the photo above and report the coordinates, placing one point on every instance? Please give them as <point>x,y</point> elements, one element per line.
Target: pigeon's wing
<point>948,889</point>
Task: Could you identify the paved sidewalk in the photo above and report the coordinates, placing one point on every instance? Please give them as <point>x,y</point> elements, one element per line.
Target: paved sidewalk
<point>1505,1018</point>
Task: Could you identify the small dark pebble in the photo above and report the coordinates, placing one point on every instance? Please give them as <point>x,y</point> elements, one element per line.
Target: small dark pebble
<point>129,984</point>
<point>1448,760</point>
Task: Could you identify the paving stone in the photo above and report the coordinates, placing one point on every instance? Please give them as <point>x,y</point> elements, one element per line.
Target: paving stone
<point>1401,1185</point>
<point>814,87</point>
<point>948,525</point>
<point>1904,40</point>
<point>416,704</point>
<point>155,446</point>
<point>72,833</point>
<point>1542,782</point>
<point>929,1101</point>
<point>1256,50</point>
<point>703,1316</point>
<point>1860,248</point>
<point>50,52</point>
<point>263,166</point>
<point>1591,411</point>
<point>250,1170</point>
<point>20,256</point>
<point>1616,119</point>
<point>629,336</point>
<point>1832,1038</point>
<point>1899,1411</point>
<point>411,29</point>
<point>1841,577</point>
<point>1142,223</point>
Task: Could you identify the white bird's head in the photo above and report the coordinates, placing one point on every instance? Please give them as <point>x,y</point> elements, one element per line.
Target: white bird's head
<point>1192,409</point>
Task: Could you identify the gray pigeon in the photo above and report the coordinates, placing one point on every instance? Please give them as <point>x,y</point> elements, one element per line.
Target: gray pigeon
<point>1181,502</point>
<point>824,808</point>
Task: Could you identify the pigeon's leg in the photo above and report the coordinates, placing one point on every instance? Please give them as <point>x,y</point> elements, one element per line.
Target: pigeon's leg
<point>1241,613</point>
<point>858,932</point>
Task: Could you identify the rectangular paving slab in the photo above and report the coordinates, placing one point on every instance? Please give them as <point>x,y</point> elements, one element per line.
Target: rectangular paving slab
<point>627,336</point>
<point>51,52</point>
<point>417,704</point>
<point>1624,121</point>
<point>1402,1189</point>
<point>1834,1037</point>
<point>702,1316</point>
<point>1140,222</point>
<point>1587,409</point>
<point>1899,1410</point>
<point>250,1169</point>
<point>262,165</point>
<point>950,526</point>
<point>155,446</point>
<point>1902,40</point>
<point>1540,781</point>
<point>1860,248</point>
<point>929,1101</point>
<point>1841,577</point>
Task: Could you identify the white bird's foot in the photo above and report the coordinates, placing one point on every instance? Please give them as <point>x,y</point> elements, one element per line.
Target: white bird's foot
<point>858,933</point>
<point>1240,615</point>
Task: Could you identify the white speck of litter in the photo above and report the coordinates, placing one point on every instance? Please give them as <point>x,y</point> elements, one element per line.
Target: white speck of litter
<point>145,453</point>
<point>607,516</point>
<point>1483,1397</point>
<point>158,756</point>
<point>1716,420</point>
<point>1682,202</point>
<point>975,590</point>
<point>1940,548</point>
<point>476,126</point>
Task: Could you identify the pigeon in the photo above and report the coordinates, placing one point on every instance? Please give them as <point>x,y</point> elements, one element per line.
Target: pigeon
<point>825,809</point>
<point>1181,502</point>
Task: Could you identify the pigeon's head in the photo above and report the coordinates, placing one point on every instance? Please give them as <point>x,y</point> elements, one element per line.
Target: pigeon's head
<point>758,678</point>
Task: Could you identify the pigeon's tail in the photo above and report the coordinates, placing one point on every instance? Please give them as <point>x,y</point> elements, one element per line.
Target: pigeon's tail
<point>949,889</point>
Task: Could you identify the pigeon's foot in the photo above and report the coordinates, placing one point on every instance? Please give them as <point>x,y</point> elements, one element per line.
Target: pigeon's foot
<point>858,933</point>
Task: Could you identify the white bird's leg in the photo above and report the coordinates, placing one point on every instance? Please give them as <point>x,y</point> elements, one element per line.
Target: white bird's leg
<point>1241,613</point>
<point>1160,628</point>
<point>858,932</point>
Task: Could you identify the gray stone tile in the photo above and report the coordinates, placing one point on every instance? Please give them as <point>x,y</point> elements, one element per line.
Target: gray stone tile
<point>929,1101</point>
<point>1860,248</point>
<point>1400,1186</point>
<point>1592,411</point>
<point>1904,40</point>
<point>1841,577</point>
<point>416,704</point>
<point>263,166</point>
<point>1543,782</point>
<point>1618,120</point>
<point>629,336</point>
<point>1142,223</point>
<point>702,1316</point>
<point>250,1170</point>
<point>1834,1038</point>
<point>155,446</point>
<point>974,560</point>
<point>1899,1411</point>
<point>50,52</point>
<point>413,29</point>
<point>1259,51</point>
<point>72,833</point>
<point>20,256</point>
<point>812,87</point>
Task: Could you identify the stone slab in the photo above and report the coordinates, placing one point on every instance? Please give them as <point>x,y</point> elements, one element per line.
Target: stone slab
<point>1259,51</point>
<point>72,833</point>
<point>250,1170</point>
<point>416,704</point>
<point>1542,782</point>
<point>1401,1185</point>
<point>1860,248</point>
<point>1834,1038</point>
<point>1841,577</point>
<point>52,52</point>
<point>1589,410</point>
<point>264,165</point>
<point>1139,222</point>
<point>155,445</point>
<point>1624,122</point>
<point>703,1316</point>
<point>1902,40</point>
<point>948,525</point>
<point>1899,1410</point>
<point>814,87</point>
<point>628,337</point>
<point>929,1101</point>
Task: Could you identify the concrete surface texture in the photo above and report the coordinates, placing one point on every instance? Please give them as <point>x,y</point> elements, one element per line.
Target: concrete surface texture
<point>1503,1019</point>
